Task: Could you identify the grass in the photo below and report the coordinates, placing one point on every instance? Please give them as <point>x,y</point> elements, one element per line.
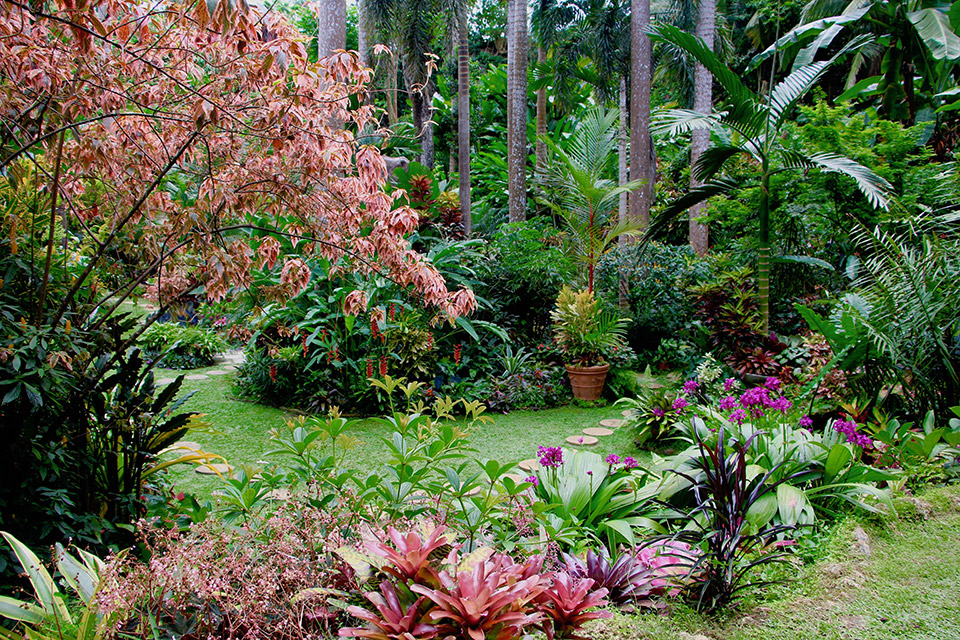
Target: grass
<point>905,588</point>
<point>239,432</point>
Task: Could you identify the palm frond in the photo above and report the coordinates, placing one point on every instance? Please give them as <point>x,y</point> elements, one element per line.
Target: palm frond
<point>665,218</point>
<point>743,104</point>
<point>878,191</point>
<point>711,161</point>
<point>674,122</point>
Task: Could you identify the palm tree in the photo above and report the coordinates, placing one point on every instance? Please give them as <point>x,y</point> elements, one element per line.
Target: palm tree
<point>641,144</point>
<point>700,138</point>
<point>463,123</point>
<point>751,126</point>
<point>331,27</point>
<point>581,191</point>
<point>517,109</point>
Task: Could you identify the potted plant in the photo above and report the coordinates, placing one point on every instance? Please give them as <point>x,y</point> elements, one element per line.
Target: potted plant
<point>585,335</point>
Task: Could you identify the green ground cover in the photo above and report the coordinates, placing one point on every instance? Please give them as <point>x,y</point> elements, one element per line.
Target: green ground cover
<point>240,431</point>
<point>895,579</point>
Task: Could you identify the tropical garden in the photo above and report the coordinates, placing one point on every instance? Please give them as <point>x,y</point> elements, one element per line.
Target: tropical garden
<point>479,320</point>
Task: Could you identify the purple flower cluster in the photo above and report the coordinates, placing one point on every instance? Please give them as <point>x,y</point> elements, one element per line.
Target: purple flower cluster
<point>679,404</point>
<point>849,429</point>
<point>534,480</point>
<point>612,459</point>
<point>630,463</point>
<point>772,383</point>
<point>550,456</point>
<point>729,384</point>
<point>729,402</point>
<point>690,386</point>
<point>806,422</point>
<point>658,412</point>
<point>757,399</point>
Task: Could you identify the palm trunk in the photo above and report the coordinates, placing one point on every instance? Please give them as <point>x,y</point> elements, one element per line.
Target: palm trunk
<point>364,33</point>
<point>393,68</point>
<point>541,116</point>
<point>463,125</point>
<point>517,109</point>
<point>763,262</point>
<point>700,139</point>
<point>331,27</point>
<point>623,177</point>
<point>640,142</point>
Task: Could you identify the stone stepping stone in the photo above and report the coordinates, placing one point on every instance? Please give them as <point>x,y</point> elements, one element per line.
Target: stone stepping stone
<point>218,372</point>
<point>598,431</point>
<point>214,468</point>
<point>586,441</point>
<point>627,413</point>
<point>230,367</point>
<point>529,465</point>
<point>197,376</point>
<point>654,385</point>
<point>279,495</point>
<point>611,423</point>
<point>166,380</point>
<point>186,444</point>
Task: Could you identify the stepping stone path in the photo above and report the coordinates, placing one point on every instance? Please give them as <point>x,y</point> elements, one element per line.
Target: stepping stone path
<point>197,376</point>
<point>587,441</point>
<point>611,423</point>
<point>598,431</point>
<point>230,367</point>
<point>218,372</point>
<point>627,413</point>
<point>166,381</point>
<point>210,469</point>
<point>186,444</point>
<point>529,465</point>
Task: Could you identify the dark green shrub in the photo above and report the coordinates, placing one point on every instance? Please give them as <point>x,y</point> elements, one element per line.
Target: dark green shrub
<point>176,346</point>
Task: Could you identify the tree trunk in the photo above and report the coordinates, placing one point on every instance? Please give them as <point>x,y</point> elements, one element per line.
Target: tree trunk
<point>517,109</point>
<point>763,261</point>
<point>700,140</point>
<point>393,68</point>
<point>622,178</point>
<point>331,27</point>
<point>463,125</point>
<point>641,155</point>
<point>541,116</point>
<point>365,33</point>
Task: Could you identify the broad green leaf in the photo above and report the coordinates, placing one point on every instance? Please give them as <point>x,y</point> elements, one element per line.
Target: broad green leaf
<point>933,27</point>
<point>79,576</point>
<point>623,530</point>
<point>43,585</point>
<point>762,511</point>
<point>837,460</point>
<point>21,611</point>
<point>793,505</point>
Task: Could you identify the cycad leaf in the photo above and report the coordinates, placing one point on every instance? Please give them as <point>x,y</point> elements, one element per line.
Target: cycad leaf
<point>933,26</point>
<point>877,190</point>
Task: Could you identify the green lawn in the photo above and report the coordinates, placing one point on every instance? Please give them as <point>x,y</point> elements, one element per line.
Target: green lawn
<point>906,588</point>
<point>240,431</point>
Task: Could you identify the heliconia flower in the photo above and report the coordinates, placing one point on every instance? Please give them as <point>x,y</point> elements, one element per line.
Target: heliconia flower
<point>429,342</point>
<point>369,368</point>
<point>273,372</point>
<point>456,353</point>
<point>383,366</point>
<point>374,327</point>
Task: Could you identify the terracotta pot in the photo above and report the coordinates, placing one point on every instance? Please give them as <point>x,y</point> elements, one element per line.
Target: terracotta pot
<point>587,382</point>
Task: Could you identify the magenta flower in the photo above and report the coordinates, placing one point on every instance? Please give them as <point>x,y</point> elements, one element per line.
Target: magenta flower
<point>612,459</point>
<point>630,463</point>
<point>679,404</point>
<point>849,429</point>
<point>690,386</point>
<point>729,402</point>
<point>781,404</point>
<point>806,422</point>
<point>658,412</point>
<point>550,456</point>
<point>534,480</point>
<point>738,416</point>
<point>772,383</point>
<point>729,384</point>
